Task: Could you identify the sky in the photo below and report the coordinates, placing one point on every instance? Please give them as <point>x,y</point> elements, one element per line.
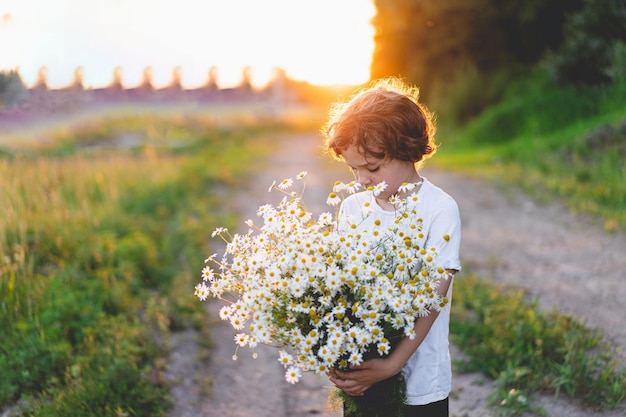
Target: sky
<point>323,42</point>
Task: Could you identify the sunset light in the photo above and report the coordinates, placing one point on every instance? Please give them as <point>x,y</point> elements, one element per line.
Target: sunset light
<point>323,42</point>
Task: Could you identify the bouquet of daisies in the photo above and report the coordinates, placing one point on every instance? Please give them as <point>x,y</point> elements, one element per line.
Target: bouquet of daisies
<point>326,293</point>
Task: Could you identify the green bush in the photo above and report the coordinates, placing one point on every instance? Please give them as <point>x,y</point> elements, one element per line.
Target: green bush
<point>553,142</point>
<point>591,53</point>
<point>139,254</point>
<point>12,89</point>
<point>507,337</point>
<point>114,372</point>
<point>534,109</point>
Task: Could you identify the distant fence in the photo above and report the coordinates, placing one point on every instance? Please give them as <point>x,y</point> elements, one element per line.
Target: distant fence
<point>41,102</point>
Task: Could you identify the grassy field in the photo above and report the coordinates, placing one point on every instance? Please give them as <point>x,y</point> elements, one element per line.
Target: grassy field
<point>104,230</point>
<point>556,144</point>
<point>106,223</point>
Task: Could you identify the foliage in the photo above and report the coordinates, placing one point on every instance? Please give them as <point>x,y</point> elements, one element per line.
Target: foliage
<point>12,88</point>
<point>96,243</point>
<point>466,95</point>
<point>554,142</point>
<point>536,108</point>
<point>435,42</point>
<point>527,351</point>
<point>593,50</point>
<point>463,54</point>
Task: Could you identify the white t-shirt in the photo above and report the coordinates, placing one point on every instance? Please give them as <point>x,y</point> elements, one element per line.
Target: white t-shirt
<point>428,372</point>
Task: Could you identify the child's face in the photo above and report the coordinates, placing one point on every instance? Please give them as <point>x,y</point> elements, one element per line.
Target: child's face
<point>371,171</point>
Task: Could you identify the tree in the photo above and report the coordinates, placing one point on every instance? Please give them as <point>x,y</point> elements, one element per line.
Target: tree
<point>431,42</point>
<point>12,88</point>
<point>594,48</point>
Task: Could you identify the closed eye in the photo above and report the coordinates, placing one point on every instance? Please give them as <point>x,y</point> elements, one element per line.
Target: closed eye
<point>374,169</point>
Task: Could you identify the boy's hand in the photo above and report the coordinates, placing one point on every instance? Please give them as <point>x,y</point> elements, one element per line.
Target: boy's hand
<point>358,380</point>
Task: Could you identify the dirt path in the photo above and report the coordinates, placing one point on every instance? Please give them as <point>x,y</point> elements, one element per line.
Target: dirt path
<point>563,260</point>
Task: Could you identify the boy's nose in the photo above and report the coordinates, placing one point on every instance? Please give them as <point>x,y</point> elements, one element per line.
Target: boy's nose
<point>358,177</point>
<point>363,179</point>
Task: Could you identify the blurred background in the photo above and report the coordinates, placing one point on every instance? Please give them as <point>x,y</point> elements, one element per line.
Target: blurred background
<point>465,56</point>
<point>127,126</point>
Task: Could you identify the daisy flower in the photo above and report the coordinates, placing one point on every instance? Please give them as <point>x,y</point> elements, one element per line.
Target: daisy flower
<point>285,184</point>
<point>293,374</point>
<point>237,322</point>
<point>356,358</point>
<point>379,188</point>
<point>339,187</point>
<point>367,209</point>
<point>395,200</point>
<point>384,347</point>
<point>202,292</point>
<point>219,231</point>
<point>225,312</point>
<point>409,186</point>
<point>207,274</point>
<point>333,199</point>
<point>325,219</point>
<point>285,358</point>
<point>241,339</point>
<point>352,187</point>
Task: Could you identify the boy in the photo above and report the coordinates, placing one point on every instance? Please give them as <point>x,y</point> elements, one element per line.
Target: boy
<point>384,134</point>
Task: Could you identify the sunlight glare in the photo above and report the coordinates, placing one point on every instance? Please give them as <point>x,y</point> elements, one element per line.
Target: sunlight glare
<point>323,42</point>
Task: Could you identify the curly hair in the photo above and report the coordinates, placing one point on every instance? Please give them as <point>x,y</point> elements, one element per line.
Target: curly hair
<point>384,120</point>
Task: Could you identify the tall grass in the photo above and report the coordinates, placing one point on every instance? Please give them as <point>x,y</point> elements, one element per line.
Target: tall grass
<point>99,250</point>
<point>528,352</point>
<point>566,143</point>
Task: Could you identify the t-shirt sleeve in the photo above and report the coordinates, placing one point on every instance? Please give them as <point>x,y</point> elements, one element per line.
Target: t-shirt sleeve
<point>446,221</point>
